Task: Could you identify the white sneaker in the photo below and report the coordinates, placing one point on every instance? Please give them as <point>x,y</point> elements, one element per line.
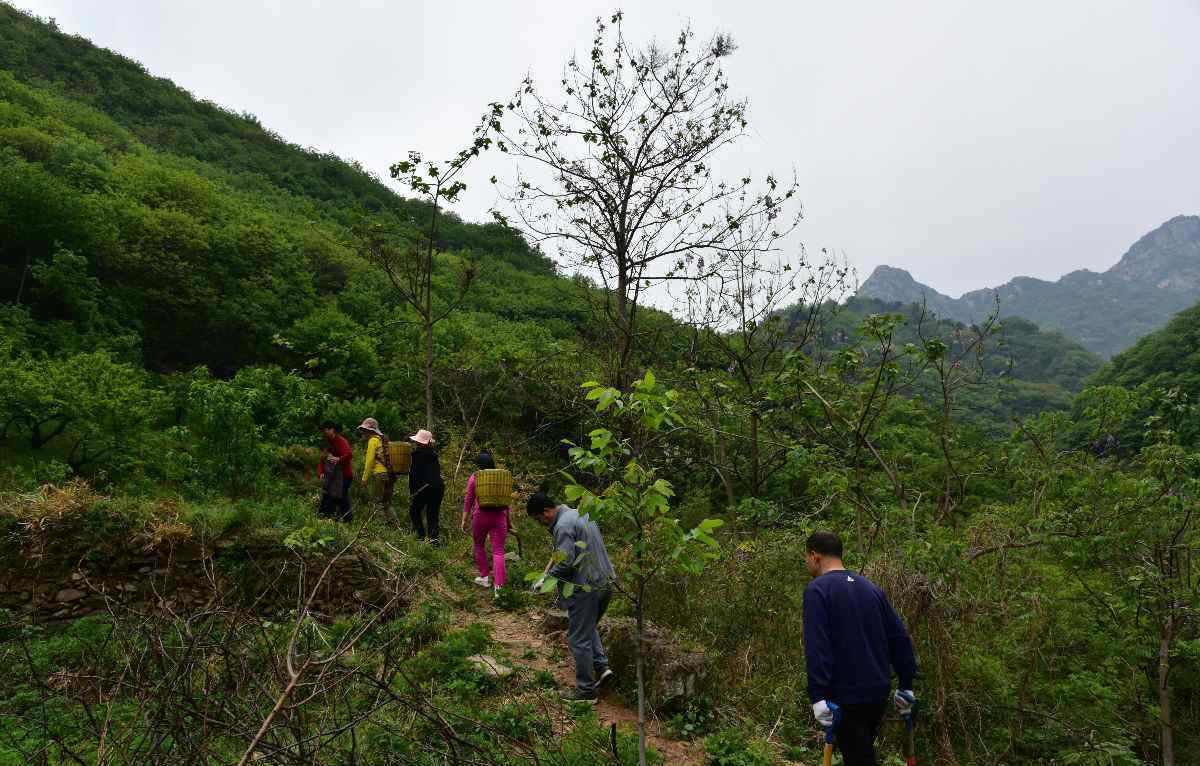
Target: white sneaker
<point>484,582</point>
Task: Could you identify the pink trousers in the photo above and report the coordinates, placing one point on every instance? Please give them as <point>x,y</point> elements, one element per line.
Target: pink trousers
<point>494,524</point>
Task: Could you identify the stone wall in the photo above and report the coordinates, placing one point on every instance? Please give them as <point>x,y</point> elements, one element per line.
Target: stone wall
<point>58,585</point>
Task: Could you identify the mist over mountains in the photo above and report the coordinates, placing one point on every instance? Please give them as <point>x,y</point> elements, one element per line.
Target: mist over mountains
<point>1106,312</point>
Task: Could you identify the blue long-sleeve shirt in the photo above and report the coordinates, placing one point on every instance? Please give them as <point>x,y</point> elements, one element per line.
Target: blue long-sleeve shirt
<point>853,639</point>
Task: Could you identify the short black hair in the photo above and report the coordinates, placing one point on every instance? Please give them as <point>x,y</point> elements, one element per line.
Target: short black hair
<point>330,424</point>
<point>538,503</point>
<point>825,543</point>
<point>485,460</point>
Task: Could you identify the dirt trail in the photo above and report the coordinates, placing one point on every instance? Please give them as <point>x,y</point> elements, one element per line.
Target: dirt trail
<point>520,632</point>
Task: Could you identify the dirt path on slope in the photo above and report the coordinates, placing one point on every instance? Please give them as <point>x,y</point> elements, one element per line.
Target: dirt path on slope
<point>520,633</point>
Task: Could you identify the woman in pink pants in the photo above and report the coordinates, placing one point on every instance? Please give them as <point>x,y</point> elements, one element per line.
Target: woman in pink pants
<point>485,523</point>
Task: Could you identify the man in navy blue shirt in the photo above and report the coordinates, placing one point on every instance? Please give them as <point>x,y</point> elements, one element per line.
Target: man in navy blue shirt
<point>853,640</point>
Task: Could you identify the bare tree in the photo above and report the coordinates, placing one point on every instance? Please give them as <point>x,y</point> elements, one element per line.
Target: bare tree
<point>622,170</point>
<point>753,310</point>
<point>408,256</point>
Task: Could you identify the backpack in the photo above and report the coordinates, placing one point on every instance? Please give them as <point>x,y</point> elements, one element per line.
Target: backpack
<point>493,488</point>
<point>396,456</point>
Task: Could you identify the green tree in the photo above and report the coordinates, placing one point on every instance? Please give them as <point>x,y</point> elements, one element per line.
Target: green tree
<point>1136,521</point>
<point>96,407</point>
<point>634,501</point>
<point>738,312</point>
<point>239,422</point>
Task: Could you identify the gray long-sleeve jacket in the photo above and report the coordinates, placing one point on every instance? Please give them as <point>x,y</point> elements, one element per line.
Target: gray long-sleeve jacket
<point>586,564</point>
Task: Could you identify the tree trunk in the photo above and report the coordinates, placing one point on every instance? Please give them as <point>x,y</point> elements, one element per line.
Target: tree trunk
<point>429,311</point>
<point>38,439</point>
<point>21,280</point>
<point>641,679</point>
<point>429,375</point>
<point>723,462</point>
<point>755,479</point>
<point>1166,723</point>
<point>621,375</point>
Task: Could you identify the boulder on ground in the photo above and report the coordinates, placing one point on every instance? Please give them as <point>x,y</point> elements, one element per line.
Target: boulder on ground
<point>554,621</point>
<point>674,673</point>
<point>489,665</point>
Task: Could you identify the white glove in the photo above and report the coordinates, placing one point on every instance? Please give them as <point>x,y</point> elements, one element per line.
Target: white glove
<point>904,699</point>
<point>823,713</point>
<point>537,585</point>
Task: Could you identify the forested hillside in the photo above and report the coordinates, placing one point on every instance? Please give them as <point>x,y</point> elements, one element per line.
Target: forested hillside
<point>1167,360</point>
<point>1024,370</point>
<point>187,299</point>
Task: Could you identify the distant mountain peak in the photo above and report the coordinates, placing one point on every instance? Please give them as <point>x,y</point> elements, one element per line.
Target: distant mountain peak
<point>1168,257</point>
<point>888,283</point>
<point>1105,312</point>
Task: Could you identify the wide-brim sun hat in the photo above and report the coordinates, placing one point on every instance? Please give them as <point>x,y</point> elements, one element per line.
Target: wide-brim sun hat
<point>422,437</point>
<point>370,424</point>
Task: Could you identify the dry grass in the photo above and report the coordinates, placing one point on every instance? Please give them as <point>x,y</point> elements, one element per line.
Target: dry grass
<point>41,510</point>
<point>166,533</point>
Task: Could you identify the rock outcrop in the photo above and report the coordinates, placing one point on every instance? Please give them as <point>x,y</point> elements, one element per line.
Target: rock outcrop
<point>674,671</point>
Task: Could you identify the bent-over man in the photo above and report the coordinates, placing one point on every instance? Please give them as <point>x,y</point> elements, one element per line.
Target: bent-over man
<point>584,562</point>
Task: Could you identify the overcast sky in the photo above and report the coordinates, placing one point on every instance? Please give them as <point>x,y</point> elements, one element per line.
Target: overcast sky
<point>963,140</point>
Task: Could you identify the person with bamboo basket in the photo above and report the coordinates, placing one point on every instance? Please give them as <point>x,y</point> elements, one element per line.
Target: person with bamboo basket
<point>487,508</point>
<point>385,462</point>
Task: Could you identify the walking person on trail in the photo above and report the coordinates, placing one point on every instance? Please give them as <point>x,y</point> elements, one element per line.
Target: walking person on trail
<point>853,640</point>
<point>486,521</point>
<point>426,487</point>
<point>335,470</point>
<point>585,579</point>
<point>377,474</point>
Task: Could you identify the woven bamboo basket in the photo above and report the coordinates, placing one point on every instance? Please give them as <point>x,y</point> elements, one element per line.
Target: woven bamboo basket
<point>400,455</point>
<point>493,488</point>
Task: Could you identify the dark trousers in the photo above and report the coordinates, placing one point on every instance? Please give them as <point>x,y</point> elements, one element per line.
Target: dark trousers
<point>338,507</point>
<point>855,735</point>
<point>584,610</point>
<point>426,502</point>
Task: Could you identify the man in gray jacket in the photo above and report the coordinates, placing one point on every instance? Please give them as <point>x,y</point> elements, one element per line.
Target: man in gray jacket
<point>585,578</point>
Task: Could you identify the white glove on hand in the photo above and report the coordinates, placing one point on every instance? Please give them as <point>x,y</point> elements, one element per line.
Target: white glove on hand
<point>904,699</point>
<point>823,713</point>
<point>537,585</point>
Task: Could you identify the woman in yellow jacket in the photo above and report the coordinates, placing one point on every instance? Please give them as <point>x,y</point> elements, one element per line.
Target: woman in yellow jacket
<point>375,465</point>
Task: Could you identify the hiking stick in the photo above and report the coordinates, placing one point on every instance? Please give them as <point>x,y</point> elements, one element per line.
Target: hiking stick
<point>837,718</point>
<point>910,743</point>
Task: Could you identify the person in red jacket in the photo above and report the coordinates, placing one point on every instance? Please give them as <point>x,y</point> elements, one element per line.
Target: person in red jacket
<point>335,497</point>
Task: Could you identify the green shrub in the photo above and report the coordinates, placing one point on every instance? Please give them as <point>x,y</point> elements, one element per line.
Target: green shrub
<point>695,721</point>
<point>590,744</point>
<point>518,720</point>
<point>731,747</point>
<point>445,665</point>
<point>514,596</point>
